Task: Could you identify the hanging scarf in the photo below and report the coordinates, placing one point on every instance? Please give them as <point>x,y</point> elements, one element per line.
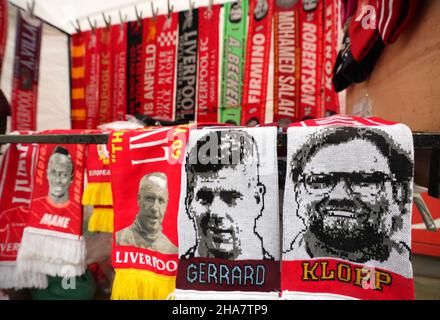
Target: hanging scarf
<point>92,79</point>
<point>119,99</point>
<point>78,53</point>
<point>134,67</point>
<point>234,46</point>
<point>208,70</point>
<point>105,74</point>
<point>52,240</point>
<point>167,36</point>
<point>229,241</point>
<point>3,30</point>
<point>330,97</point>
<point>287,64</point>
<point>98,191</point>
<point>347,210</point>
<point>16,184</point>
<point>257,62</point>
<point>311,30</point>
<point>26,71</point>
<point>145,240</point>
<point>187,65</point>
<point>149,46</point>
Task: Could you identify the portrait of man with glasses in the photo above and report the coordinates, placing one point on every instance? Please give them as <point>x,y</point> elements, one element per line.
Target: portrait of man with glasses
<point>351,196</point>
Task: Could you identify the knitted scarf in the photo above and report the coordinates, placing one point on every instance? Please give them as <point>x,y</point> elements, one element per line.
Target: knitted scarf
<point>287,64</point>
<point>92,79</point>
<point>347,210</point>
<point>3,30</point>
<point>26,72</point>
<point>145,239</point>
<point>105,74</point>
<point>78,52</point>
<point>256,70</point>
<point>187,65</point>
<point>149,44</point>
<point>134,66</point>
<point>234,46</point>
<point>330,99</point>
<point>208,64</point>
<point>167,36</point>
<point>229,244</point>
<point>16,184</point>
<point>311,30</point>
<point>52,240</point>
<point>119,38</point>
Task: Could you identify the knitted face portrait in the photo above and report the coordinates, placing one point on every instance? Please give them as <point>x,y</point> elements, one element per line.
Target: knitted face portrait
<point>261,9</point>
<point>235,13</point>
<point>352,207</point>
<point>152,202</point>
<point>224,193</point>
<point>59,175</point>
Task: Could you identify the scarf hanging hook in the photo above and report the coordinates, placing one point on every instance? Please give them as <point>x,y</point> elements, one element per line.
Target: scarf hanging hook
<point>92,25</point>
<point>108,22</point>
<point>138,15</point>
<point>170,9</point>
<point>76,26</point>
<point>210,3</point>
<point>31,8</point>
<point>122,19</point>
<point>153,11</point>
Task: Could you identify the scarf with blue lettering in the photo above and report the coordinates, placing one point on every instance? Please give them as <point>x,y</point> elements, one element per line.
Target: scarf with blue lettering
<point>228,218</point>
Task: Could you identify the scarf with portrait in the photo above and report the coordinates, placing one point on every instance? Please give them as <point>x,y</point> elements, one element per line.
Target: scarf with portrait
<point>145,169</point>
<point>16,184</point>
<point>229,243</point>
<point>347,210</point>
<point>52,240</point>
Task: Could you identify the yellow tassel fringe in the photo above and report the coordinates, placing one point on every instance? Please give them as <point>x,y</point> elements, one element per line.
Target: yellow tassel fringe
<point>101,220</point>
<point>133,284</point>
<point>98,194</point>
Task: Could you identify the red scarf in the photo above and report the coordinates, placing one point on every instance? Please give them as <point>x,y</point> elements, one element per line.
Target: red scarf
<point>16,184</point>
<point>3,30</point>
<point>208,62</point>
<point>164,88</point>
<point>149,47</point>
<point>26,68</point>
<point>257,63</point>
<point>53,238</point>
<point>119,99</point>
<point>134,67</point>
<point>311,26</point>
<point>78,52</point>
<point>105,74</point>
<point>92,79</point>
<point>151,160</point>
<point>330,100</point>
<point>287,64</point>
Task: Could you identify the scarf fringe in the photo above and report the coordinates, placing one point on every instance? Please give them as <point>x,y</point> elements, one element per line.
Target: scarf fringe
<point>98,194</point>
<point>101,220</point>
<point>131,284</point>
<point>179,294</point>
<point>44,252</point>
<point>10,278</point>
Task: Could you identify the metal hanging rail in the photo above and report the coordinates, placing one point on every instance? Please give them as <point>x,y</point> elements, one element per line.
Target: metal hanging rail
<point>422,140</point>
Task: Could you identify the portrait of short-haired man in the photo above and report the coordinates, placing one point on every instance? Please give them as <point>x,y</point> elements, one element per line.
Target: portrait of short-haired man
<point>146,230</point>
<point>352,190</point>
<point>225,196</point>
